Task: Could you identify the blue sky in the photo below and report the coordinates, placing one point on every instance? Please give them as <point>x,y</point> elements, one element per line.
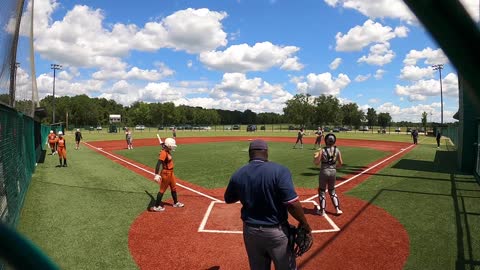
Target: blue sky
<point>245,54</point>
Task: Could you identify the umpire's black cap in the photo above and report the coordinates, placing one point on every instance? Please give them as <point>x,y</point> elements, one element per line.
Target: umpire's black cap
<point>258,145</point>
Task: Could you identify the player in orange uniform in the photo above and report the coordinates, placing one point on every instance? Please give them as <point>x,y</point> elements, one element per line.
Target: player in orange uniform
<point>166,178</point>
<point>52,138</point>
<point>61,149</point>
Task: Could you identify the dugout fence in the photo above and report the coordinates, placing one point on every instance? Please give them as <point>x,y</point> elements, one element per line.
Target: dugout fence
<point>477,167</point>
<point>21,146</point>
<point>452,133</point>
<point>22,142</point>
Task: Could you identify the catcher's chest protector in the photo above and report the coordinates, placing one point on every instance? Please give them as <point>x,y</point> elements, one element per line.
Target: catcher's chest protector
<point>331,158</point>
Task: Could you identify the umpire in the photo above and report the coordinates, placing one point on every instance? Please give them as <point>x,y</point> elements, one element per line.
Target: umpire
<point>266,192</point>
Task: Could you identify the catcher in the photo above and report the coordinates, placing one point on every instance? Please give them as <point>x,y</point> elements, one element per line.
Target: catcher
<point>329,159</point>
<point>166,178</point>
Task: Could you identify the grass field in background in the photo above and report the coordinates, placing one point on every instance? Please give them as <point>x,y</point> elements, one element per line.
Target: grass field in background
<point>103,135</point>
<point>80,215</point>
<point>211,164</point>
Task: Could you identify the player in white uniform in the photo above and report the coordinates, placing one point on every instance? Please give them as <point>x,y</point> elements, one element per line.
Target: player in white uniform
<point>329,158</point>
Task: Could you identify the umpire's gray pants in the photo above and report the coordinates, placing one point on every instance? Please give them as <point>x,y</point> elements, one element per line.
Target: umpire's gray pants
<point>265,245</point>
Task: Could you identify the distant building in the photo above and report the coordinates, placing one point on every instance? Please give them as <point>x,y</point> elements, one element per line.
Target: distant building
<point>115,118</point>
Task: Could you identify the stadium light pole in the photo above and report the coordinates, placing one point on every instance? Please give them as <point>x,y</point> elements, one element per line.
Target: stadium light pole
<point>439,67</point>
<point>55,67</point>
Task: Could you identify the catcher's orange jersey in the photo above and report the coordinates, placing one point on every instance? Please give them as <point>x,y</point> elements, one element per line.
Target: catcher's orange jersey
<point>166,159</point>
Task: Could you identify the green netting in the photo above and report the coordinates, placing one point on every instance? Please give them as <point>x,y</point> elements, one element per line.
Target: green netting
<point>17,162</point>
<point>477,169</point>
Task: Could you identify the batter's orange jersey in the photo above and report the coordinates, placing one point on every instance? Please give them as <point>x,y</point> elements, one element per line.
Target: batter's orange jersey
<point>166,158</point>
<point>62,151</point>
<point>60,142</point>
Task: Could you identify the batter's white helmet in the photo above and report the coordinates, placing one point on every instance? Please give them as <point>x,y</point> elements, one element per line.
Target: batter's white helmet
<point>51,131</point>
<point>60,133</point>
<point>170,143</point>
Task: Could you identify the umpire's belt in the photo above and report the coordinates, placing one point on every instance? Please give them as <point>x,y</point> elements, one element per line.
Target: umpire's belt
<point>262,225</point>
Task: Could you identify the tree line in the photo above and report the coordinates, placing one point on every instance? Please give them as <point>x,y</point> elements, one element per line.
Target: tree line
<point>303,110</point>
<point>326,110</point>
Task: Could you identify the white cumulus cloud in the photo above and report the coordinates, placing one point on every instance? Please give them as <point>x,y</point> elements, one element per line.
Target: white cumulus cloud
<point>422,89</point>
<point>324,83</point>
<point>359,37</point>
<point>260,57</point>
<point>431,56</point>
<point>335,63</point>
<point>362,78</point>
<point>380,54</point>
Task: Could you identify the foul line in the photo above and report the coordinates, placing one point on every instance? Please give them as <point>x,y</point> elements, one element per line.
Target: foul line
<point>201,228</point>
<point>370,168</point>
<point>138,167</point>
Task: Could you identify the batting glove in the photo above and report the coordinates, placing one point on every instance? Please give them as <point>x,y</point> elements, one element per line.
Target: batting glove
<point>157,178</point>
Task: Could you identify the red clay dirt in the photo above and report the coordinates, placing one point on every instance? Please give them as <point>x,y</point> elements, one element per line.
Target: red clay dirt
<point>200,237</point>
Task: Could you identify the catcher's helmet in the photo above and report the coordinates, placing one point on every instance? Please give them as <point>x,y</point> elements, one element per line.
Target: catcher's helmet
<point>170,143</point>
<point>330,139</point>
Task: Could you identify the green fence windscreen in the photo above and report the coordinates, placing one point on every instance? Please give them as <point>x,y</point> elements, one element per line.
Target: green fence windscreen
<point>22,142</point>
<point>452,133</point>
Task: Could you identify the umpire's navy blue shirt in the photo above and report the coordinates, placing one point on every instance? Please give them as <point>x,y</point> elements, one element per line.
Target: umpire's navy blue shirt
<point>265,189</point>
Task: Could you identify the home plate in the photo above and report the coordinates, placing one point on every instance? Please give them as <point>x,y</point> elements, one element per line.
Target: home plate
<point>225,218</point>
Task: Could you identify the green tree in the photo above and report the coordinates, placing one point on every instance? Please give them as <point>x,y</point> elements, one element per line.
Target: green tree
<point>327,110</point>
<point>384,119</point>
<point>249,117</point>
<point>299,110</point>
<point>352,115</point>
<point>140,113</point>
<point>424,120</point>
<point>371,117</point>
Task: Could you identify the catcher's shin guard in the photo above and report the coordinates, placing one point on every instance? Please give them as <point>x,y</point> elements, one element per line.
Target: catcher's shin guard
<point>321,199</point>
<point>334,197</point>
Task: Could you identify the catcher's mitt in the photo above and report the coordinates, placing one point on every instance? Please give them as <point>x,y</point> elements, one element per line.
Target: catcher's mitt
<point>303,241</point>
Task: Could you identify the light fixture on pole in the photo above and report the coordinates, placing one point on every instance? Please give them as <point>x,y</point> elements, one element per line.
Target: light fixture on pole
<point>439,67</point>
<point>55,67</point>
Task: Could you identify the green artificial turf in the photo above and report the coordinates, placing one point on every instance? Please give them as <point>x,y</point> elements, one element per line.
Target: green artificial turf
<point>80,215</point>
<point>212,164</point>
<point>439,207</point>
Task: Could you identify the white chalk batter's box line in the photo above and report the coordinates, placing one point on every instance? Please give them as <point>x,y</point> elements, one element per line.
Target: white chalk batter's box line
<point>201,228</point>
